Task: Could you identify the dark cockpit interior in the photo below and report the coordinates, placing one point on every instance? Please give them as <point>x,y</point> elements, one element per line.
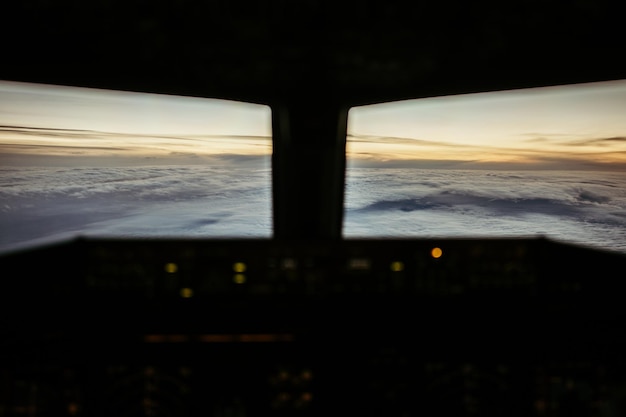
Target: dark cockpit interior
<point>307,321</point>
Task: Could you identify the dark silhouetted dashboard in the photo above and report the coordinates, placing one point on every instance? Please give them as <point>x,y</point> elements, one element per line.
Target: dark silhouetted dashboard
<point>518,327</point>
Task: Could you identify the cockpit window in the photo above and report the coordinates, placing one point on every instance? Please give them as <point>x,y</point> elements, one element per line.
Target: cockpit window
<point>77,161</point>
<point>544,161</point>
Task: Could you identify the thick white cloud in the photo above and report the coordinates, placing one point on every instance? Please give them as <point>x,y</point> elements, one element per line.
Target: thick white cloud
<point>234,200</point>
<point>580,207</point>
<point>52,203</point>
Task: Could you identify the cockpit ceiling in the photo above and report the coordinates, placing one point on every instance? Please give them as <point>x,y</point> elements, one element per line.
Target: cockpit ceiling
<point>276,51</point>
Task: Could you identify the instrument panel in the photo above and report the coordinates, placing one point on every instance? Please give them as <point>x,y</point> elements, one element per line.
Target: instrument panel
<point>389,327</point>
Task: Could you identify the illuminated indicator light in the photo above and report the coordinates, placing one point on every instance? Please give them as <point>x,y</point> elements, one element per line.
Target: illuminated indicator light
<point>239,267</point>
<point>541,406</point>
<point>239,279</point>
<point>359,264</point>
<point>171,268</point>
<point>264,337</point>
<point>186,292</point>
<point>153,338</point>
<point>397,266</point>
<point>73,409</point>
<point>436,253</point>
<point>216,338</point>
<point>289,264</point>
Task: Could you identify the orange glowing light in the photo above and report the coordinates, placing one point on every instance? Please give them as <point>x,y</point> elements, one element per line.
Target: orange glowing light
<point>73,408</point>
<point>216,338</point>
<point>436,253</point>
<point>153,338</point>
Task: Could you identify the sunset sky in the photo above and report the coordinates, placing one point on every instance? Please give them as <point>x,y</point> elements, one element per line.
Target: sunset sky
<point>578,126</point>
<point>45,120</point>
<point>572,127</point>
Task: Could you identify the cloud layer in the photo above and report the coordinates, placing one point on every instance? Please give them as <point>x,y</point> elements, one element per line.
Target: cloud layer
<point>51,203</point>
<point>234,200</point>
<point>581,207</point>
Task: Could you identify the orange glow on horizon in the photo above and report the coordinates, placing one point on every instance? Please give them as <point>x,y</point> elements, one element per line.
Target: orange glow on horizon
<point>47,120</point>
<point>578,125</point>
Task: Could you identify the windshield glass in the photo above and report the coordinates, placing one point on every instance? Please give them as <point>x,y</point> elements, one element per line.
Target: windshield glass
<point>545,161</point>
<point>77,161</point>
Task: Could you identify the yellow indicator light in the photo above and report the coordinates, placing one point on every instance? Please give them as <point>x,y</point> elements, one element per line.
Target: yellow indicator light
<point>397,266</point>
<point>171,268</point>
<point>239,278</point>
<point>436,253</point>
<point>239,267</point>
<point>186,292</point>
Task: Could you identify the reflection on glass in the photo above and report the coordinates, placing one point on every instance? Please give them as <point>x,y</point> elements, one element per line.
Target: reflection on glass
<point>78,161</point>
<point>545,161</point>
